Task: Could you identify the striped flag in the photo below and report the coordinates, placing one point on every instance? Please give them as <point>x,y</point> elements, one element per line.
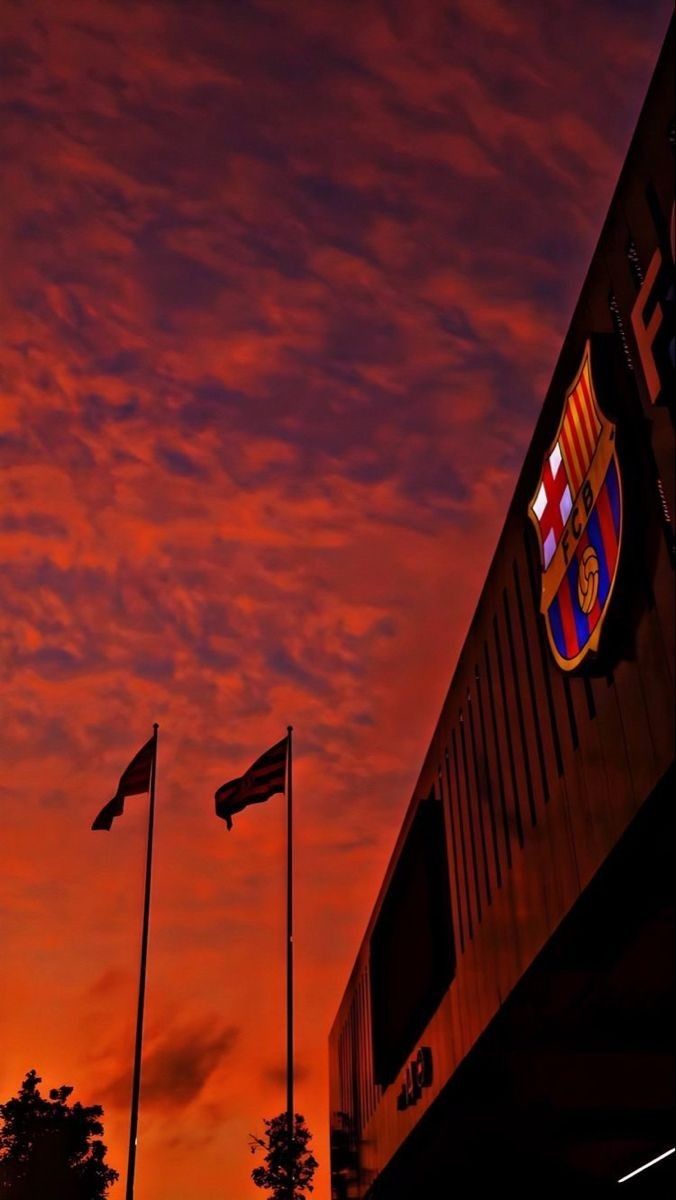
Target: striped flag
<point>133,781</point>
<point>264,778</point>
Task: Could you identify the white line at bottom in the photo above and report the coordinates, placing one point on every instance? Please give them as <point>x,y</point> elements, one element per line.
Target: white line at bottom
<point>648,1164</point>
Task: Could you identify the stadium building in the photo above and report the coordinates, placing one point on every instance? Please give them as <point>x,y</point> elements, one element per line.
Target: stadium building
<point>509,1020</point>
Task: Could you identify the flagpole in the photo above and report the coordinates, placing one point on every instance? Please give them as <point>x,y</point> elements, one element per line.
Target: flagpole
<point>289,959</point>
<point>136,1081</point>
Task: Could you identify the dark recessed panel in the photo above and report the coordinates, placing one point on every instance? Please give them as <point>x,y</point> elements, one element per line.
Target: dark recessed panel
<point>412,948</point>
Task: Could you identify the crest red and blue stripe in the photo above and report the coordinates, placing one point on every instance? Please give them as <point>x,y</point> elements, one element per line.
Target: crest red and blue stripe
<point>571,627</point>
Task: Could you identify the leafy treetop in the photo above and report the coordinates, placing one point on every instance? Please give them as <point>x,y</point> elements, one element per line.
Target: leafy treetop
<point>50,1148</point>
<point>274,1175</point>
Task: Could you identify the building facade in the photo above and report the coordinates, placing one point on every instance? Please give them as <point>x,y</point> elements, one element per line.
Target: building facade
<point>507,1019</point>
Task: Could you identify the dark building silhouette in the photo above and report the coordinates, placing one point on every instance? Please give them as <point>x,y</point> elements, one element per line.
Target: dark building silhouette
<point>509,1020</point>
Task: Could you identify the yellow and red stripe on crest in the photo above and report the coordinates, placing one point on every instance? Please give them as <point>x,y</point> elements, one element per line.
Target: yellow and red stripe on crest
<point>581,426</point>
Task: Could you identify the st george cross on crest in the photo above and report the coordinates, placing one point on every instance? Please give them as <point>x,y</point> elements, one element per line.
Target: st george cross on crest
<point>577,512</point>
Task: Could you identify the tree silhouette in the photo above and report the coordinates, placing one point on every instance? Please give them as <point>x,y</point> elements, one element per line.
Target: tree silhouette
<point>275,1174</point>
<point>50,1149</point>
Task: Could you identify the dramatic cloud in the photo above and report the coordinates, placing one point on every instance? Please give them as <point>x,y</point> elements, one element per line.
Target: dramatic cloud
<point>283,285</point>
<point>277,1075</point>
<point>177,1065</point>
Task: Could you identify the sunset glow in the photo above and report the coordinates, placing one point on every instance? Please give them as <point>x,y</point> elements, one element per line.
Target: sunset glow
<point>283,286</point>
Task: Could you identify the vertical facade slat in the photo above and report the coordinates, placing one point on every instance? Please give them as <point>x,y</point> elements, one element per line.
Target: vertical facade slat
<point>543,659</point>
<point>505,732</point>
<point>490,781</point>
<point>526,651</point>
<point>470,898</point>
<point>499,765</point>
<point>516,680</point>
<point>447,800</point>
<point>483,777</point>
<point>472,820</point>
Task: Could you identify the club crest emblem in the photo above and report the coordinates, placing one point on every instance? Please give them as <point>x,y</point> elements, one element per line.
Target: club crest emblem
<point>577,512</point>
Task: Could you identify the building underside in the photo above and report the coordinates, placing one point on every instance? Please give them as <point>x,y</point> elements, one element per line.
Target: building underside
<point>573,1084</point>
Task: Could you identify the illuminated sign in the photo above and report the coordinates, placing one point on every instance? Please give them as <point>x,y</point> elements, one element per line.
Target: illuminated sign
<point>418,1076</point>
<point>653,328</point>
<point>577,512</point>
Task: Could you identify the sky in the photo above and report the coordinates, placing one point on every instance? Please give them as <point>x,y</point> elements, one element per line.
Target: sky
<point>283,286</point>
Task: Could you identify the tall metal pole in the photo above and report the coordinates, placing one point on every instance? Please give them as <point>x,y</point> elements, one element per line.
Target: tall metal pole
<point>136,1081</point>
<point>289,959</point>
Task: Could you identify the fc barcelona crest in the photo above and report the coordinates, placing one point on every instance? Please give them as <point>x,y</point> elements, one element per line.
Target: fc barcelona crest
<point>577,512</point>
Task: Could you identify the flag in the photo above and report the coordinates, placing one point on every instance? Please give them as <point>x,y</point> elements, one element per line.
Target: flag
<point>134,780</point>
<point>264,778</point>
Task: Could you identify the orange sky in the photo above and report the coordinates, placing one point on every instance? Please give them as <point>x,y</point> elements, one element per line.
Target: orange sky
<point>283,286</point>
